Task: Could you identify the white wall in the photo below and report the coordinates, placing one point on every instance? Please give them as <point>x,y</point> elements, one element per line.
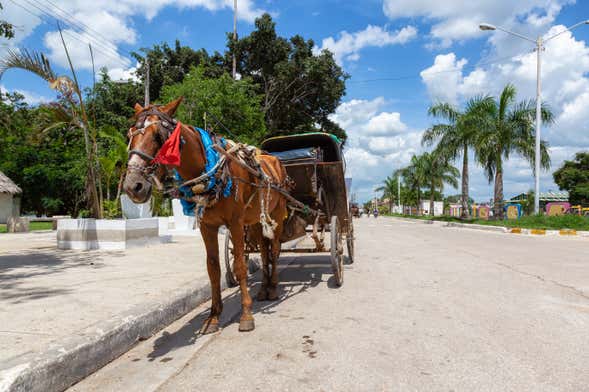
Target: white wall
<point>5,207</point>
<point>438,208</point>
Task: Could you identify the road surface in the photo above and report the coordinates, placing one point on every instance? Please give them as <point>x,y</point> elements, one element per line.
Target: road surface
<point>423,308</point>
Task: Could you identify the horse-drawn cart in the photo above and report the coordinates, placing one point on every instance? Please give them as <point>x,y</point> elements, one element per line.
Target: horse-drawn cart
<point>315,164</point>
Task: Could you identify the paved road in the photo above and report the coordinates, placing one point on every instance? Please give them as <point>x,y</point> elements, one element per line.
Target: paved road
<point>424,308</point>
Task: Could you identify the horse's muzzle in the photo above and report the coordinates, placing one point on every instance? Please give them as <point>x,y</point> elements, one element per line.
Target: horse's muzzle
<point>137,188</point>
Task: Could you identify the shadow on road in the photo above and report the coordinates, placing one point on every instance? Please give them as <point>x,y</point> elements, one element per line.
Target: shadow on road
<point>18,272</point>
<point>297,275</point>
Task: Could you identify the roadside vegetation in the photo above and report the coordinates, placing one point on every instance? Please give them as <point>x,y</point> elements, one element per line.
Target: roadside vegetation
<point>573,222</point>
<point>34,226</point>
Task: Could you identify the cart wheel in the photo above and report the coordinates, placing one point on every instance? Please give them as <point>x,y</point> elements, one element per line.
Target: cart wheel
<point>253,264</point>
<point>229,275</point>
<point>337,252</point>
<point>350,243</point>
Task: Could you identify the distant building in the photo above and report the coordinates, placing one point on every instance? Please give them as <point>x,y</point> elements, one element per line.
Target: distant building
<point>9,198</point>
<point>438,208</point>
<point>545,198</point>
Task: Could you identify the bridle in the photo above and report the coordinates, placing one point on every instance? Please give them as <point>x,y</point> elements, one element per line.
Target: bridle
<point>166,125</point>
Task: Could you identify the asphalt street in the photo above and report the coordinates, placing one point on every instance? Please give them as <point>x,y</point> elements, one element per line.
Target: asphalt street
<point>423,308</point>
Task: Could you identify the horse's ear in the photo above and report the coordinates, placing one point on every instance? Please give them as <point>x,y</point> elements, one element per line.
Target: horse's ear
<point>171,108</point>
<point>138,108</point>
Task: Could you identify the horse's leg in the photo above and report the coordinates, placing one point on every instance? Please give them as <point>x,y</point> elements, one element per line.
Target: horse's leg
<point>210,237</point>
<point>278,215</point>
<point>246,321</point>
<point>264,246</point>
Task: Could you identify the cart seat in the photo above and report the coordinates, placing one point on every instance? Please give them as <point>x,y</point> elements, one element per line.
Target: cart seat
<point>299,155</point>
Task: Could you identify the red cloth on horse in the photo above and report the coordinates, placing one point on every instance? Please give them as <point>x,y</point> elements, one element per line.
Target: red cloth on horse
<point>169,154</point>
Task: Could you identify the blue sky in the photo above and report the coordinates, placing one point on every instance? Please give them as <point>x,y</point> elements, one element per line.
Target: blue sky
<point>401,55</point>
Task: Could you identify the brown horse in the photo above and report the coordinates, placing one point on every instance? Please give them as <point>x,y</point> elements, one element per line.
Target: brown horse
<point>249,198</point>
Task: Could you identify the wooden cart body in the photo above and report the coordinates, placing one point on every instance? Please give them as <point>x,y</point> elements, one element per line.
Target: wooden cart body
<point>315,164</point>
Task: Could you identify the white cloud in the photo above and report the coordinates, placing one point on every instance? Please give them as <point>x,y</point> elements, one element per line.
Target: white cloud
<point>456,20</point>
<point>348,45</point>
<point>378,142</point>
<point>106,24</point>
<point>444,77</point>
<point>123,74</point>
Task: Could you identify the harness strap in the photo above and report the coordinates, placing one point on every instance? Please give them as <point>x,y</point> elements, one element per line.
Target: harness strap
<point>144,156</point>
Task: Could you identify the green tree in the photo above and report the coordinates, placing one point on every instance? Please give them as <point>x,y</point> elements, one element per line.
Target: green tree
<point>111,103</point>
<point>235,103</point>
<point>437,172</point>
<point>454,137</point>
<point>47,163</point>
<point>508,128</point>
<point>70,111</point>
<point>389,188</point>
<point>168,66</point>
<point>573,176</point>
<point>300,89</point>
<point>414,177</point>
<point>6,28</point>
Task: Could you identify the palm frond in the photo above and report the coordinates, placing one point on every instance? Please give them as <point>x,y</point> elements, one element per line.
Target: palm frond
<point>31,61</point>
<point>444,110</point>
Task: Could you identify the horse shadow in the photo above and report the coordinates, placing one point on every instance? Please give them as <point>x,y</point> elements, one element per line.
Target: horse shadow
<point>298,275</point>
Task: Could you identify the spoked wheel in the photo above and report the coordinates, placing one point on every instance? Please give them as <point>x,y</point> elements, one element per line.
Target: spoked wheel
<point>229,258</point>
<point>337,252</point>
<point>252,264</point>
<point>350,242</point>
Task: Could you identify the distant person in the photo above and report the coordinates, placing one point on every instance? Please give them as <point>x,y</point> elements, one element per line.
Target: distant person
<point>375,213</point>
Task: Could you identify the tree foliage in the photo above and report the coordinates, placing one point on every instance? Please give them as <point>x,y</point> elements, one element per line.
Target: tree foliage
<point>300,89</point>
<point>235,103</point>
<point>6,28</point>
<point>573,177</point>
<point>508,127</point>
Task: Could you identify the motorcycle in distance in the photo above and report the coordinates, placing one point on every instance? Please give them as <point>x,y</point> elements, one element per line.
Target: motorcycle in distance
<point>375,213</point>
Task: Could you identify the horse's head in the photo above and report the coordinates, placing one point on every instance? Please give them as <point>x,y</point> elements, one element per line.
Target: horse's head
<point>153,125</point>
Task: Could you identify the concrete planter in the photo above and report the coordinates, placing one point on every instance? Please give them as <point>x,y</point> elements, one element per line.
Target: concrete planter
<point>87,234</point>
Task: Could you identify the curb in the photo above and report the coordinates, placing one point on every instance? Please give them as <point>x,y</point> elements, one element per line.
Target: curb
<point>499,229</point>
<point>73,359</point>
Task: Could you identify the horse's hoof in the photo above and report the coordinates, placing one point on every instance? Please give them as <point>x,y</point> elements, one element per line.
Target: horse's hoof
<point>262,295</point>
<point>246,325</point>
<point>272,295</point>
<point>209,326</point>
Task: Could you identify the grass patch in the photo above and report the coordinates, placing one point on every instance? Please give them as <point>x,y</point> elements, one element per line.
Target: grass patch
<point>542,222</point>
<point>34,226</point>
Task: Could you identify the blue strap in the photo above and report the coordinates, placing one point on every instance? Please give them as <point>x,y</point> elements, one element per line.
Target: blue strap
<point>211,159</point>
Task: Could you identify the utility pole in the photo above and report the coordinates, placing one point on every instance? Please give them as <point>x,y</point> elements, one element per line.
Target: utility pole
<point>146,81</point>
<point>399,193</point>
<point>234,73</point>
<point>539,47</point>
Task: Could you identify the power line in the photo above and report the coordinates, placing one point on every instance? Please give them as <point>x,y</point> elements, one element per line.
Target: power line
<point>108,46</point>
<point>73,34</point>
<point>431,73</point>
<point>84,25</point>
<point>44,11</point>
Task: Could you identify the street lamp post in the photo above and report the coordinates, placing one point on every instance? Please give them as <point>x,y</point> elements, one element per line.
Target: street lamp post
<point>539,43</point>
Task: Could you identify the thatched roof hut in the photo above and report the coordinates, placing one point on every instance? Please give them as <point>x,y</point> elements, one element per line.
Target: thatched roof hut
<point>7,186</point>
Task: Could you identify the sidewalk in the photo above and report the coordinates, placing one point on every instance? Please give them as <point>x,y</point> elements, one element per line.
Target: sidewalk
<point>52,301</point>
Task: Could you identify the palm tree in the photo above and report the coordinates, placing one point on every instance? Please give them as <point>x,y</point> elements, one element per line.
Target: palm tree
<point>438,171</point>
<point>113,163</point>
<point>508,128</point>
<point>414,176</point>
<point>389,189</point>
<point>457,135</point>
<point>72,113</point>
